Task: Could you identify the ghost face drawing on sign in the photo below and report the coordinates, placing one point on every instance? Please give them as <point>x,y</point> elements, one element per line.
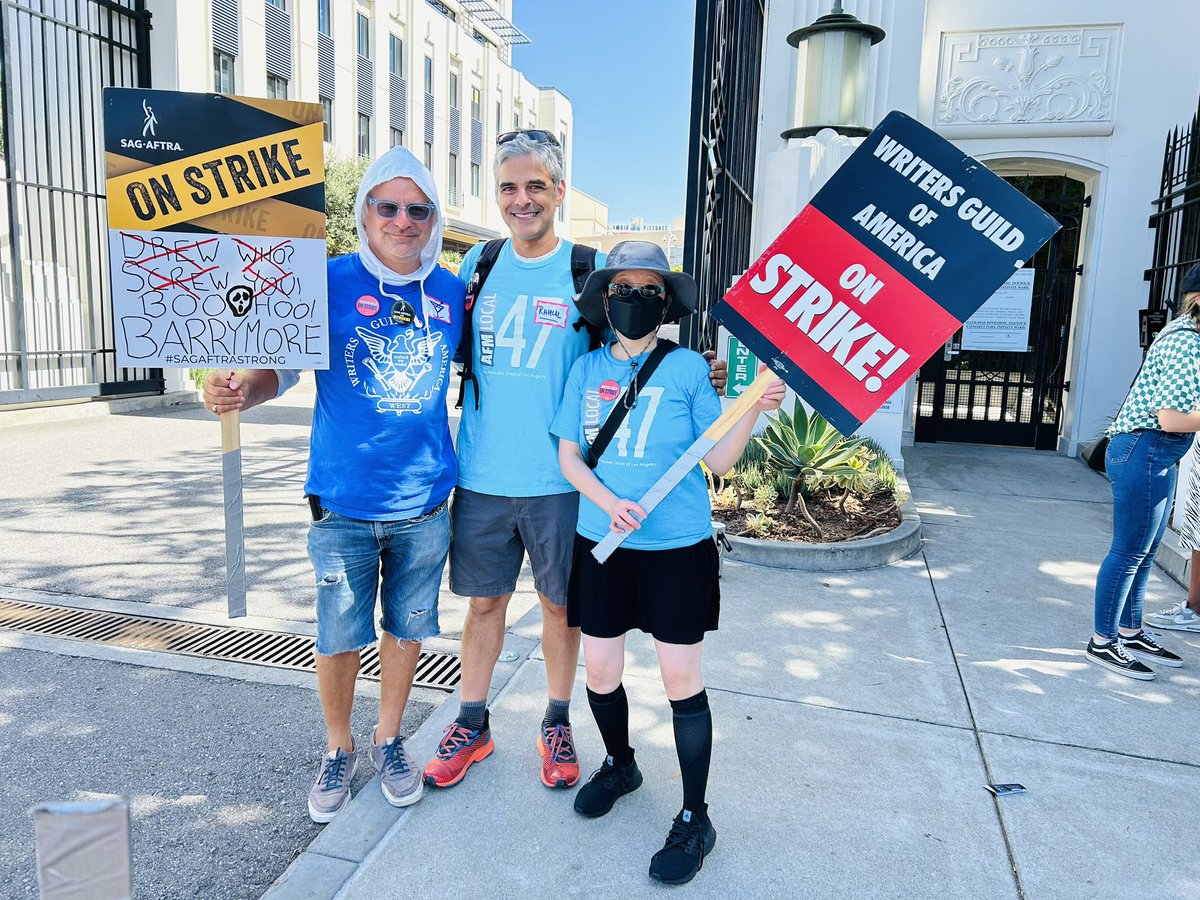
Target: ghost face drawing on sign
<point>239,299</point>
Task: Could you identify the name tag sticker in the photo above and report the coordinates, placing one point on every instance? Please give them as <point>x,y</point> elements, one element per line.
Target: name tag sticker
<point>550,312</point>
<point>438,310</point>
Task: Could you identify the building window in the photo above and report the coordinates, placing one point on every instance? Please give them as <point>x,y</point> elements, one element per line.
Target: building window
<point>474,179</point>
<point>499,117</point>
<point>396,56</point>
<point>454,90</point>
<point>476,104</point>
<point>223,82</point>
<point>443,9</point>
<point>277,88</point>
<point>364,36</point>
<point>397,137</point>
<point>454,201</point>
<point>429,156</point>
<point>327,115</point>
<point>324,21</point>
<point>282,4</point>
<point>516,120</point>
<point>364,135</point>
<point>428,75</point>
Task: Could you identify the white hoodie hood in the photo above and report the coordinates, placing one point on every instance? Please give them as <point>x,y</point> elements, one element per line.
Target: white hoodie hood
<point>400,163</point>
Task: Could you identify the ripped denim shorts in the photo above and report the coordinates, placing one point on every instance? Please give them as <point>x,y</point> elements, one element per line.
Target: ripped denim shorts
<point>355,561</point>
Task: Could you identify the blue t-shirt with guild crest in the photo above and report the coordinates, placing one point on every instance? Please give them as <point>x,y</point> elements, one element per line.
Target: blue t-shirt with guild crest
<point>676,405</point>
<point>525,342</point>
<point>380,446</point>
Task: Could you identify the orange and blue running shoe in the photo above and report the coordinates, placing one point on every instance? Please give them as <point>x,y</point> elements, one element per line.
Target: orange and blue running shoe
<point>560,765</point>
<point>460,747</point>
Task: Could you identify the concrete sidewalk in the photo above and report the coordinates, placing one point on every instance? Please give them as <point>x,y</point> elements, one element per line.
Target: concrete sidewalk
<point>858,718</point>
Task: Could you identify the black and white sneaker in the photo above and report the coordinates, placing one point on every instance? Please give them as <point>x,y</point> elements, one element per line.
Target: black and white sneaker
<point>1113,656</point>
<point>1143,646</point>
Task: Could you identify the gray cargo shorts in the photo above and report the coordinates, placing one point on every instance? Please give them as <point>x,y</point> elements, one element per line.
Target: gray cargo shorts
<point>489,537</point>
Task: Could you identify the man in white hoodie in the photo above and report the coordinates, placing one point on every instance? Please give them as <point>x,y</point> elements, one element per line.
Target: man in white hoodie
<point>381,464</point>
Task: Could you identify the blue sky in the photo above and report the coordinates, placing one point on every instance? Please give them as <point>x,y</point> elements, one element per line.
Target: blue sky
<point>626,66</point>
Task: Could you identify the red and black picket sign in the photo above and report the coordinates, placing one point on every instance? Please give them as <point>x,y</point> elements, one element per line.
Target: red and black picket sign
<point>907,239</point>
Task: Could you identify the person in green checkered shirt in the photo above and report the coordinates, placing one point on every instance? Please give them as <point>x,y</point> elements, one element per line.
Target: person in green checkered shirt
<point>1153,429</point>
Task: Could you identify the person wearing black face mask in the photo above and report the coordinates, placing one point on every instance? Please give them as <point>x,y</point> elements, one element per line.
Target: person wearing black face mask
<point>663,579</point>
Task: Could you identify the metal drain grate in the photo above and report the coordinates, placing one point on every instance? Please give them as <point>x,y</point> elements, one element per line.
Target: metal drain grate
<point>224,642</point>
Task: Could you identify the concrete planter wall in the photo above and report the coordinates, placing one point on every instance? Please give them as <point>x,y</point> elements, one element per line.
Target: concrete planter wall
<point>836,556</point>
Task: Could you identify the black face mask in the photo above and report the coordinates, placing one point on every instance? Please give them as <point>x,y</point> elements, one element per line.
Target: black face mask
<point>634,317</point>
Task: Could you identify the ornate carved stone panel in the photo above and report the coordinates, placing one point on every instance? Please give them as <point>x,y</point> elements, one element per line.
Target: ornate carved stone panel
<point>1028,82</point>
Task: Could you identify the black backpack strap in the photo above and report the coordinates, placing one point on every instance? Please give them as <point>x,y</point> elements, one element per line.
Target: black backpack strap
<point>483,266</point>
<point>617,416</point>
<point>583,263</point>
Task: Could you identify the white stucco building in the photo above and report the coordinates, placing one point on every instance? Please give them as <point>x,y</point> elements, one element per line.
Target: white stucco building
<point>1071,101</point>
<point>433,76</point>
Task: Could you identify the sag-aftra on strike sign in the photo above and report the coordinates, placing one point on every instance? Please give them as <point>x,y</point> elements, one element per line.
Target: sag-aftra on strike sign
<point>906,240</point>
<point>216,216</point>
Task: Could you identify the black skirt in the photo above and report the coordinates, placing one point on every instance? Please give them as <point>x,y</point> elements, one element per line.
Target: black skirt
<point>673,595</point>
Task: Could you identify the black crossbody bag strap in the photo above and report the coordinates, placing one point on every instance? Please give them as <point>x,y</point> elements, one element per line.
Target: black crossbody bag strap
<point>483,265</point>
<point>617,416</point>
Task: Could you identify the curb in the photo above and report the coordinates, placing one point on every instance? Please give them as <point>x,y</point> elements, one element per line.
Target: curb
<point>66,412</point>
<point>838,556</point>
<point>326,865</point>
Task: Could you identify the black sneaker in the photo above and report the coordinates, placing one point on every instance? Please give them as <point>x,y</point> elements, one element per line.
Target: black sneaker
<point>607,783</point>
<point>1143,646</point>
<point>692,838</point>
<point>1112,655</point>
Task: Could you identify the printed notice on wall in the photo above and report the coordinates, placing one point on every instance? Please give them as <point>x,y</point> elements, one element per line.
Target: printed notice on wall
<point>1002,323</point>
<point>216,214</point>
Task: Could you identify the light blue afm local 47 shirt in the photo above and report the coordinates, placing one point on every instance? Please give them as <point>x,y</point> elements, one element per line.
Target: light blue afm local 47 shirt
<point>674,408</point>
<point>525,342</point>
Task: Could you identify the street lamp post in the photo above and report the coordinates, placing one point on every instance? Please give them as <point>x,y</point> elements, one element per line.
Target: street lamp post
<point>834,89</point>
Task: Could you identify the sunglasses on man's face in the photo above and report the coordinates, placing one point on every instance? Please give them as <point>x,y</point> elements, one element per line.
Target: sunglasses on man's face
<point>389,209</point>
<point>534,134</point>
<point>645,291</point>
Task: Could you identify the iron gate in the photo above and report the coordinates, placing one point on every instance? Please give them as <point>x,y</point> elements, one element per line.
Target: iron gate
<point>56,331</point>
<point>727,63</point>
<point>1176,217</point>
<point>1013,398</point>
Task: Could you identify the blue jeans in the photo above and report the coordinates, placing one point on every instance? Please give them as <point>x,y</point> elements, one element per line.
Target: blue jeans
<point>355,560</point>
<point>1141,465</point>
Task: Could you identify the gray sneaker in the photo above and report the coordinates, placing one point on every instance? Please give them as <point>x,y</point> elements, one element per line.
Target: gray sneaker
<point>1175,618</point>
<point>399,779</point>
<point>331,792</point>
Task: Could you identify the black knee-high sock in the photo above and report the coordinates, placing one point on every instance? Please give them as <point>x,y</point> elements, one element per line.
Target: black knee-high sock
<point>693,743</point>
<point>611,712</point>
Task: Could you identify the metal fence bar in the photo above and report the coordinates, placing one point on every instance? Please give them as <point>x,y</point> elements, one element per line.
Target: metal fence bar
<point>56,333</point>
<point>1176,216</point>
<point>725,82</point>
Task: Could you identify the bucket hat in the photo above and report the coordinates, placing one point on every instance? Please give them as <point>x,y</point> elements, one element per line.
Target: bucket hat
<point>682,292</point>
<point>1191,281</point>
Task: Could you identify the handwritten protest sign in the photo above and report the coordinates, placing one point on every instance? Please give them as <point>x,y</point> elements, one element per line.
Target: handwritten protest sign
<point>903,243</point>
<point>216,217</point>
<point>216,214</point>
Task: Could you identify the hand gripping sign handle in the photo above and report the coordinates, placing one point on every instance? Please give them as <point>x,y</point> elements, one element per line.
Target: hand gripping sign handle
<point>235,555</point>
<point>691,456</point>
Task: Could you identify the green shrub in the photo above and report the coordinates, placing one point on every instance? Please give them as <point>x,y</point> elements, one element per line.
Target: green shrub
<point>343,175</point>
<point>806,448</point>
